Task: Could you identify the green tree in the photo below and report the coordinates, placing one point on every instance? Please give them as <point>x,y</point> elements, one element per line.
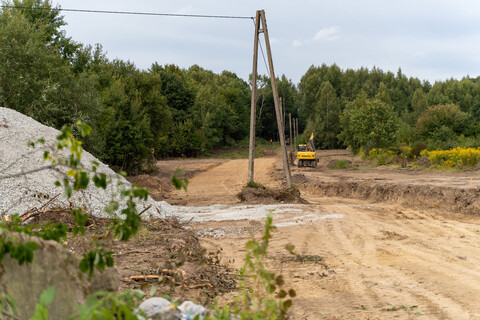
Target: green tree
<point>326,120</point>
<point>370,124</point>
<point>447,118</point>
<point>35,80</point>
<point>44,18</point>
<point>128,135</point>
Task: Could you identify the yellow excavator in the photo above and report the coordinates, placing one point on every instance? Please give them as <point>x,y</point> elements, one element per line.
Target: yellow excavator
<point>306,154</point>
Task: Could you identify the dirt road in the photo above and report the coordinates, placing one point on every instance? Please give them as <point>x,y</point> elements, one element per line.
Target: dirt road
<point>220,184</point>
<point>357,259</point>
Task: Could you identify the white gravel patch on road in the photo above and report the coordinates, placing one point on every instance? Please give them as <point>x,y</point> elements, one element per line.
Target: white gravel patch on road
<point>233,212</point>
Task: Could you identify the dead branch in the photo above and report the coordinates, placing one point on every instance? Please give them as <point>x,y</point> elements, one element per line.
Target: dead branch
<point>34,209</point>
<point>149,206</point>
<point>204,285</point>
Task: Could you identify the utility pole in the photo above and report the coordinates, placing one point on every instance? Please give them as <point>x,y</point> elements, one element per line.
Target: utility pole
<point>290,121</point>
<point>251,149</point>
<point>294,133</point>
<point>260,16</point>
<point>296,120</point>
<point>284,112</point>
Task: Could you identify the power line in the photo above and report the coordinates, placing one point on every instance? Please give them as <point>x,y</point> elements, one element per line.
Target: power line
<point>132,13</point>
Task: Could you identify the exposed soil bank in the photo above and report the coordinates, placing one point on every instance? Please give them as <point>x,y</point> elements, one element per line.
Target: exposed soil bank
<point>447,198</point>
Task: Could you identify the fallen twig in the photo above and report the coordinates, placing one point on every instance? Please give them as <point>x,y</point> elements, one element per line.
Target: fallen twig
<point>149,206</point>
<point>197,286</point>
<point>35,209</point>
<point>151,276</point>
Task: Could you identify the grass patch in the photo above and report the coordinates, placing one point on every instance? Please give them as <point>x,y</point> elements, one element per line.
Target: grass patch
<point>402,307</point>
<point>342,164</point>
<point>255,185</point>
<point>308,258</point>
<point>362,307</point>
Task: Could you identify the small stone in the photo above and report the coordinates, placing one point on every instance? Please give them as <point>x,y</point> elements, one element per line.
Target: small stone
<point>190,310</point>
<point>159,309</point>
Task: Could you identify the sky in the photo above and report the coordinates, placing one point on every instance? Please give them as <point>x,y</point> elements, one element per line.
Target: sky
<point>432,40</point>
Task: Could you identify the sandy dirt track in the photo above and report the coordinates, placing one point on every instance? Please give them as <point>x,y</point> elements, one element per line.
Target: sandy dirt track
<point>357,259</point>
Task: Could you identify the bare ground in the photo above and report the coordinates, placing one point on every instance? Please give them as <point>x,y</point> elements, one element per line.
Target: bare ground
<point>373,243</point>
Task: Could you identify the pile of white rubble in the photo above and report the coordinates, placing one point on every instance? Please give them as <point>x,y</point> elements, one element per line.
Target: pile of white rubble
<point>26,181</point>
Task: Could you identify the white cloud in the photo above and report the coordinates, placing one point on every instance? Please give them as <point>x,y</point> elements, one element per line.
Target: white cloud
<point>325,34</point>
<point>331,33</point>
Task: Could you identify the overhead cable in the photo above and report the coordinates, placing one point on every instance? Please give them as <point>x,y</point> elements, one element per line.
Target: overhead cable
<point>131,13</point>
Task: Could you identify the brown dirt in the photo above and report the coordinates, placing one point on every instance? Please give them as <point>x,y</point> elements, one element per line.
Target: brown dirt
<point>222,182</point>
<point>181,267</point>
<point>378,242</point>
<point>159,184</point>
<point>269,196</point>
<point>372,243</point>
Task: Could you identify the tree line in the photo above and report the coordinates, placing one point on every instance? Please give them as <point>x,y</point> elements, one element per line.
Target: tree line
<point>364,109</point>
<point>141,115</point>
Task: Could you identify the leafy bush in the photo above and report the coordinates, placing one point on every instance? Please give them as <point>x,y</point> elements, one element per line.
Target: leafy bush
<point>458,157</point>
<point>382,156</point>
<point>416,149</point>
<point>442,122</point>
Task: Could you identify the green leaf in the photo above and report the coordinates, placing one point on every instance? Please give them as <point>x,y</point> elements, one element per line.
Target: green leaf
<point>292,293</point>
<point>287,304</point>
<point>47,296</point>
<point>271,288</point>
<point>46,155</point>
<point>66,188</point>
<point>81,180</point>
<point>290,247</point>
<point>153,290</point>
<point>282,294</point>
<point>83,264</point>
<point>41,313</point>
<point>279,280</point>
<point>140,193</point>
<point>32,245</point>
<point>84,129</point>
<point>100,180</point>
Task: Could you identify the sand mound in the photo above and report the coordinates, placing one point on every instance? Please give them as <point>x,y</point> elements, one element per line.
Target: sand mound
<point>270,196</point>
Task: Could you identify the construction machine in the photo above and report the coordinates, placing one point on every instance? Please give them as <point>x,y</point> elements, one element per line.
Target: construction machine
<point>306,154</point>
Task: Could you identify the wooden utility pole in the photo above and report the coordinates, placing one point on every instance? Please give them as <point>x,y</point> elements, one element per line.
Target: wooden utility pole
<point>281,131</point>
<point>294,133</point>
<point>290,121</point>
<point>296,121</point>
<point>251,149</point>
<point>284,112</point>
<point>260,16</point>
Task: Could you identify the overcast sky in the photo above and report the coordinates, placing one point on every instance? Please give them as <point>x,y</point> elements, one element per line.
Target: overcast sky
<point>429,39</point>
